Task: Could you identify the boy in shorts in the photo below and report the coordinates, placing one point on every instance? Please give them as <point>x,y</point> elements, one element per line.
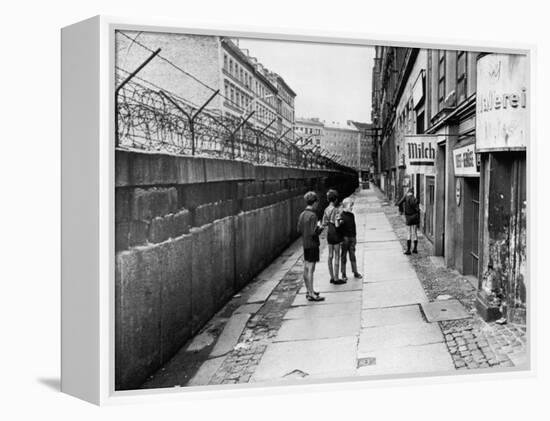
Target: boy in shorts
<point>310,228</point>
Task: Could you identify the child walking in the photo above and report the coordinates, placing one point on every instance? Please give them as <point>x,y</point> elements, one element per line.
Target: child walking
<point>310,228</point>
<point>348,231</point>
<point>410,207</point>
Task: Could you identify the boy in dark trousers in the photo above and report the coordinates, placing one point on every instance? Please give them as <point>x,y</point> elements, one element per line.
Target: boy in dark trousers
<point>348,231</point>
<point>310,228</point>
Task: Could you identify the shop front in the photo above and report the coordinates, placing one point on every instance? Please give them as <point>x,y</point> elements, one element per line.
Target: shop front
<point>420,156</point>
<point>502,134</point>
<point>466,194</point>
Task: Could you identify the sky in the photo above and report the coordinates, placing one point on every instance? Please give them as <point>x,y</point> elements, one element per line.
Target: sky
<point>332,82</point>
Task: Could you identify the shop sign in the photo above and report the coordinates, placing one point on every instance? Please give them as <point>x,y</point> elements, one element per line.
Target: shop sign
<point>420,154</point>
<point>502,102</point>
<point>466,161</point>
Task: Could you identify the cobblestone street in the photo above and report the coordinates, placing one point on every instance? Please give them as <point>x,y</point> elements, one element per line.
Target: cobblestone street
<point>380,325</point>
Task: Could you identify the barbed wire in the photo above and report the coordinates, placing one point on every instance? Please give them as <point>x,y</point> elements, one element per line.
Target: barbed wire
<point>155,119</point>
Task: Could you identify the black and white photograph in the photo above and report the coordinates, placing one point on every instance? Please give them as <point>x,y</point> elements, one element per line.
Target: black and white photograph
<point>274,211</point>
<point>291,211</point>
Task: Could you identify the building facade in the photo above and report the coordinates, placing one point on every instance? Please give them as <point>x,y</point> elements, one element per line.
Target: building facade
<point>309,133</point>
<point>344,142</point>
<point>199,65</point>
<point>366,149</point>
<point>453,126</point>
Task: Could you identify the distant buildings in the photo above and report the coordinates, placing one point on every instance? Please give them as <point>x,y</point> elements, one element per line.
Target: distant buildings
<point>309,132</point>
<point>350,144</point>
<point>200,64</point>
<point>344,142</point>
<point>366,147</point>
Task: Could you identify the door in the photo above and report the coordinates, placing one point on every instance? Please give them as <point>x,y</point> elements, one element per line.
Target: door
<point>473,184</point>
<point>430,202</point>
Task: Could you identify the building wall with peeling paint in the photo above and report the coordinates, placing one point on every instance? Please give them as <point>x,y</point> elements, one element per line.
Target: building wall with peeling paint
<point>505,224</point>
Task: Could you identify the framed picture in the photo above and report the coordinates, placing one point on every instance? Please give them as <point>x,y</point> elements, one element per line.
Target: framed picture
<point>247,209</point>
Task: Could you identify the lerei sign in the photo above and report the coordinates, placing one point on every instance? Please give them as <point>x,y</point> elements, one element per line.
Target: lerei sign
<point>501,115</point>
<point>420,153</point>
<point>465,161</point>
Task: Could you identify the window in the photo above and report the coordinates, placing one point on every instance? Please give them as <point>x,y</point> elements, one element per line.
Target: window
<point>232,97</point>
<point>225,61</point>
<point>242,75</point>
<point>461,75</point>
<point>441,79</point>
<point>226,89</point>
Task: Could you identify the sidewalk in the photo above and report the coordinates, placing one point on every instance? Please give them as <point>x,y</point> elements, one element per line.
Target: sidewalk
<point>385,323</point>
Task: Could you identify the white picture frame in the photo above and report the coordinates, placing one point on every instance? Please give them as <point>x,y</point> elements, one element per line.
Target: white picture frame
<point>88,209</point>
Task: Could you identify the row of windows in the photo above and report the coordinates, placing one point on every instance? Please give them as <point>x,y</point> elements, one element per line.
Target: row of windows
<point>341,145</point>
<point>461,72</point>
<point>286,97</point>
<point>238,72</point>
<point>236,95</point>
<point>288,114</point>
<point>264,114</point>
<point>308,130</point>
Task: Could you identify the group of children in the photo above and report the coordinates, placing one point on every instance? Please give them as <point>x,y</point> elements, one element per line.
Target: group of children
<point>339,220</point>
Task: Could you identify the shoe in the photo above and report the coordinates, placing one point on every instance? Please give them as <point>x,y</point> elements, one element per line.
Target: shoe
<point>344,277</point>
<point>339,282</point>
<point>332,281</point>
<point>357,275</point>
<point>314,297</point>
<point>408,247</point>
<point>415,245</point>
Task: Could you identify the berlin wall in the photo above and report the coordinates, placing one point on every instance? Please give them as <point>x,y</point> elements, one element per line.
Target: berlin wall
<point>190,232</point>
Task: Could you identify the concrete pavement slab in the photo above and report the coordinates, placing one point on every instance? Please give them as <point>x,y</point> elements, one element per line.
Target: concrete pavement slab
<point>389,277</point>
<point>248,308</point>
<point>330,298</point>
<point>230,334</point>
<point>392,294</point>
<point>206,372</point>
<point>391,316</point>
<point>415,359</point>
<point>322,357</point>
<point>398,335</point>
<point>263,291</point>
<point>325,286</point>
<point>329,310</point>
<point>319,328</point>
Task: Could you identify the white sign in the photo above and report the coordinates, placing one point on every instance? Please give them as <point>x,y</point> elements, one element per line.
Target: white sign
<point>465,161</point>
<point>420,153</point>
<point>501,97</point>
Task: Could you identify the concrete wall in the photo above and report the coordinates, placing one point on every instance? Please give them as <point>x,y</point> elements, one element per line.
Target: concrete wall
<point>191,232</point>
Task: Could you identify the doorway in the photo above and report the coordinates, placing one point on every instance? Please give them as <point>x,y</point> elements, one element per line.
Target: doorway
<point>471,226</point>
<point>430,203</point>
